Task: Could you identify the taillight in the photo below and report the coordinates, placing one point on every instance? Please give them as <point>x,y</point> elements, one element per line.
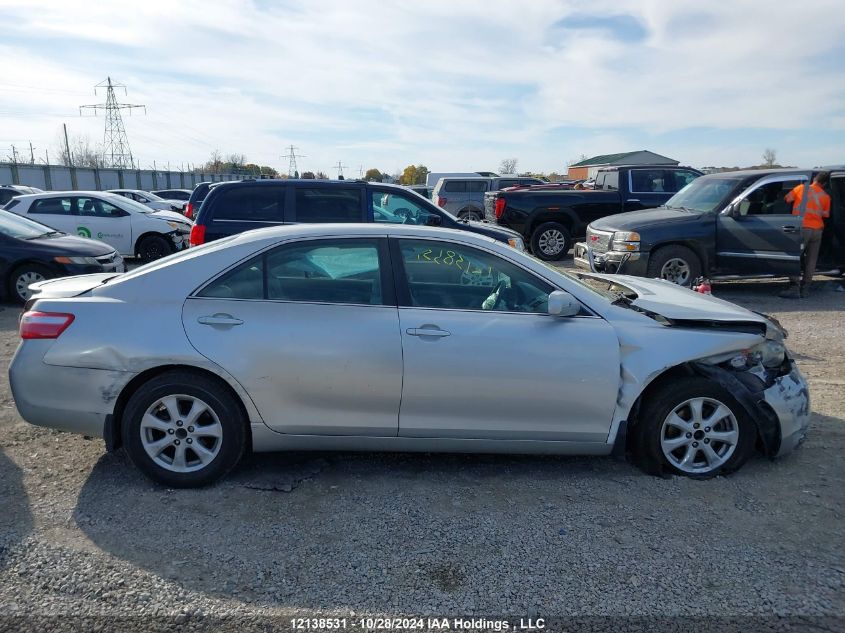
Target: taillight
<point>441,201</point>
<point>197,234</point>
<point>500,207</point>
<point>189,211</point>
<point>44,324</point>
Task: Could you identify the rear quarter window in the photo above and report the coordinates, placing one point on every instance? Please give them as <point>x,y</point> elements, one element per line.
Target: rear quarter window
<point>455,186</point>
<point>328,204</point>
<point>249,204</point>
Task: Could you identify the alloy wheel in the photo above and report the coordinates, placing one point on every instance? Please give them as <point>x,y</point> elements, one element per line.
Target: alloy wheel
<point>24,280</point>
<point>551,242</point>
<point>677,271</point>
<point>699,435</point>
<point>181,433</point>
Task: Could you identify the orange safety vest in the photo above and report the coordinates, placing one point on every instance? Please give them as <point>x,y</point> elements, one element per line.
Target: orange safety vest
<point>818,205</point>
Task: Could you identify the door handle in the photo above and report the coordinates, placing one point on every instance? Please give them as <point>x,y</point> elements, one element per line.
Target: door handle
<point>422,331</point>
<point>632,200</point>
<point>219,319</point>
<point>789,229</point>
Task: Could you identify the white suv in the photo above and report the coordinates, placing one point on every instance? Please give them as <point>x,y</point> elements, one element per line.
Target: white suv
<point>131,228</point>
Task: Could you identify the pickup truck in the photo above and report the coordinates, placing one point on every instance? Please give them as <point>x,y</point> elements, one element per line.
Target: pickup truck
<point>733,225</point>
<point>549,218</point>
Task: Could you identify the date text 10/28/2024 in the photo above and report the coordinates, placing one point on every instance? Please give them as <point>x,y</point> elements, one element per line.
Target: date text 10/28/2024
<point>417,624</point>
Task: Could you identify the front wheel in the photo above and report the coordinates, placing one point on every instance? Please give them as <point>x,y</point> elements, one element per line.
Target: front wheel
<point>154,247</point>
<point>675,263</point>
<point>551,241</point>
<point>183,430</point>
<point>22,277</point>
<point>694,428</point>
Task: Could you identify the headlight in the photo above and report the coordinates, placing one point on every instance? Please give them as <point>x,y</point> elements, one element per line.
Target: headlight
<point>179,226</point>
<point>517,243</point>
<point>75,260</point>
<point>625,241</point>
<point>770,354</point>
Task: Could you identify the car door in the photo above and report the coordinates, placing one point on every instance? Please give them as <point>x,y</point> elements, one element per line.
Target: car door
<point>757,233</point>
<point>310,329</point>
<point>58,212</point>
<point>484,360</point>
<point>104,221</point>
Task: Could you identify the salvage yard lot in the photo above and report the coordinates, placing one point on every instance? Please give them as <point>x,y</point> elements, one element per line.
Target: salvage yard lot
<point>83,533</point>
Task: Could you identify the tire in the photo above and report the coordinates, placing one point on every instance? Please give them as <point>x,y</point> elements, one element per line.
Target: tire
<point>730,438</point>
<point>551,241</point>
<point>210,444</point>
<point>471,214</point>
<point>675,263</point>
<point>153,247</point>
<point>24,275</point>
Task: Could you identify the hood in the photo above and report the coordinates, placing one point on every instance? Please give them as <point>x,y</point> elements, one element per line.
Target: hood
<point>64,287</point>
<point>489,228</point>
<point>72,246</point>
<point>682,306</point>
<point>639,220</point>
<point>171,216</point>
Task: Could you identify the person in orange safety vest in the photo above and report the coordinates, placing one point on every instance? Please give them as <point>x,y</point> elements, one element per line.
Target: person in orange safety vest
<point>816,210</point>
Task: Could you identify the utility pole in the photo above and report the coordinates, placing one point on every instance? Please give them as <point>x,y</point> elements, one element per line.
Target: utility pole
<point>116,151</point>
<point>31,154</point>
<point>47,157</point>
<point>67,147</point>
<point>14,156</point>
<point>360,172</point>
<point>293,172</point>
<point>340,167</point>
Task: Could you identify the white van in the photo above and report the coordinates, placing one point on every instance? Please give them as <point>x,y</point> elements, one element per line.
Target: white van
<point>131,228</point>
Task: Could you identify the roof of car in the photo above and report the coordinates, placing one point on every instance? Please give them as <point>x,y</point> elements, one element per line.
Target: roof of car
<point>49,194</point>
<point>746,173</point>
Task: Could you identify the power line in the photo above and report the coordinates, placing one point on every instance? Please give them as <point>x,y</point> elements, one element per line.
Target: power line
<point>293,172</point>
<point>116,150</point>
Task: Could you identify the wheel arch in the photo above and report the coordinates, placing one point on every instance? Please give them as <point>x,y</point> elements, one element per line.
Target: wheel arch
<point>694,245</point>
<point>542,215</point>
<point>13,267</point>
<point>136,249</point>
<point>114,421</point>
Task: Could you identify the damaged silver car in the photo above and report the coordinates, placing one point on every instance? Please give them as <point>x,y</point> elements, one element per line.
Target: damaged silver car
<point>400,338</point>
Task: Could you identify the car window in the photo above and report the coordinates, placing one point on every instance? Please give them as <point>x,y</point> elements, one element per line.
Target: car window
<point>20,227</point>
<point>682,178</point>
<point>52,206</point>
<point>328,204</point>
<point>250,204</point>
<point>476,186</point>
<point>455,186</point>
<point>507,183</point>
<point>649,181</point>
<point>396,208</point>
<point>97,208</point>
<point>242,282</point>
<point>769,199</point>
<point>452,276</point>
<point>6,195</point>
<point>611,181</point>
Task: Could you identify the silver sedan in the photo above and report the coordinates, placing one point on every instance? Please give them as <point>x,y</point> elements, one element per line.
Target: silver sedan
<point>366,337</point>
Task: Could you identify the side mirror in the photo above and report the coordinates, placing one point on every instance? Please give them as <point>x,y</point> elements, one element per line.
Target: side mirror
<point>433,220</point>
<point>563,304</point>
<point>743,207</point>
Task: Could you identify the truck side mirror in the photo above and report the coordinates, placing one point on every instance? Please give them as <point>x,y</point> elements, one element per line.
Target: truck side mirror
<point>743,207</point>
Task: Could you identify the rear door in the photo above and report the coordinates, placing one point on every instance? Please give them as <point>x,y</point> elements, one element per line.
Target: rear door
<point>757,233</point>
<point>321,204</point>
<point>58,212</point>
<point>243,208</point>
<point>311,331</point>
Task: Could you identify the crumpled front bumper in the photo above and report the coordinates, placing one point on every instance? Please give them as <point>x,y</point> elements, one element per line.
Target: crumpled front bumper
<point>789,398</point>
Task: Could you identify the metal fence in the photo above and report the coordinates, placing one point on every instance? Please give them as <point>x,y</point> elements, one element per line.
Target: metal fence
<point>61,178</point>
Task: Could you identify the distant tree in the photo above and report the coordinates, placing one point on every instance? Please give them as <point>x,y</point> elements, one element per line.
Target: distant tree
<point>572,161</point>
<point>413,175</point>
<point>508,166</point>
<point>308,175</point>
<point>82,152</point>
<point>322,176</point>
<point>373,175</point>
<point>770,157</point>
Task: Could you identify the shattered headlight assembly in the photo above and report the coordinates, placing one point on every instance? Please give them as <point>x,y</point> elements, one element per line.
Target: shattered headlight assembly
<point>770,354</point>
<point>625,241</point>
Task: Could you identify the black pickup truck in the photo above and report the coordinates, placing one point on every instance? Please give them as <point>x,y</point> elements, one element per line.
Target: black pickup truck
<point>548,218</point>
<point>733,225</point>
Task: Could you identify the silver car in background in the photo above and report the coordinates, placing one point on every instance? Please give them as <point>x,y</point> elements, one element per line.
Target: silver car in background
<point>395,337</point>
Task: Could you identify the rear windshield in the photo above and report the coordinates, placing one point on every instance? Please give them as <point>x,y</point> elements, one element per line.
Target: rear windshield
<point>249,204</point>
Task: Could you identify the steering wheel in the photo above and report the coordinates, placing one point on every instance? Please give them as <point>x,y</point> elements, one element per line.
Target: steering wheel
<point>408,215</point>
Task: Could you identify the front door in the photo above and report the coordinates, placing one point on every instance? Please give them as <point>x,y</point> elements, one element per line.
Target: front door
<point>757,234</point>
<point>484,360</point>
<point>103,221</point>
<point>310,329</point>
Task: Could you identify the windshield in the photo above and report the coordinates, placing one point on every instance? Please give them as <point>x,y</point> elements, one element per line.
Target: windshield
<point>127,204</point>
<point>703,194</point>
<point>22,228</point>
<point>608,291</point>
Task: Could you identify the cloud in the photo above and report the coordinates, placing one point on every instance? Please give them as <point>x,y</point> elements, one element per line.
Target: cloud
<point>453,85</point>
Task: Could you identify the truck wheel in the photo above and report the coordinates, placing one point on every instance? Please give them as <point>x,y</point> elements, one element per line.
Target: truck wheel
<point>675,263</point>
<point>153,247</point>
<point>693,427</point>
<point>551,241</point>
<point>473,215</point>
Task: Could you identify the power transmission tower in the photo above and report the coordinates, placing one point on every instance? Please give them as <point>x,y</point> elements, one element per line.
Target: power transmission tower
<point>116,151</point>
<point>340,167</point>
<point>360,172</point>
<point>293,172</point>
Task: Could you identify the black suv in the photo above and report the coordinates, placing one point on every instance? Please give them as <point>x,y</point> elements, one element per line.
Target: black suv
<point>235,207</point>
<point>7,192</point>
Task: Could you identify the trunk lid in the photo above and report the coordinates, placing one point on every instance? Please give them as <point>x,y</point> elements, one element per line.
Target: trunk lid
<point>65,287</point>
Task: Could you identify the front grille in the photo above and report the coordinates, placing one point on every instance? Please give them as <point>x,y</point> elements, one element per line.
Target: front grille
<point>107,259</point>
<point>598,241</point>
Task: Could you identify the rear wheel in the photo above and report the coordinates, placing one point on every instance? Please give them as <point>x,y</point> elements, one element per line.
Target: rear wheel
<point>694,428</point>
<point>675,263</point>
<point>22,277</point>
<point>472,214</point>
<point>183,430</point>
<point>551,241</point>
<point>153,247</point>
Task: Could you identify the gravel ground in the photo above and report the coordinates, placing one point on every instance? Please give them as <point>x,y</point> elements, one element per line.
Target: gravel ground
<point>82,533</point>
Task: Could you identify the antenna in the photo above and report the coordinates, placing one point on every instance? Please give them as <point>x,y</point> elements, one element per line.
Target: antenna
<point>116,151</point>
<point>293,172</point>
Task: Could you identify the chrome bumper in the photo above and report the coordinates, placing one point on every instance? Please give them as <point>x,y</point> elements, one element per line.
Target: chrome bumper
<point>789,398</point>
<point>608,262</point>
